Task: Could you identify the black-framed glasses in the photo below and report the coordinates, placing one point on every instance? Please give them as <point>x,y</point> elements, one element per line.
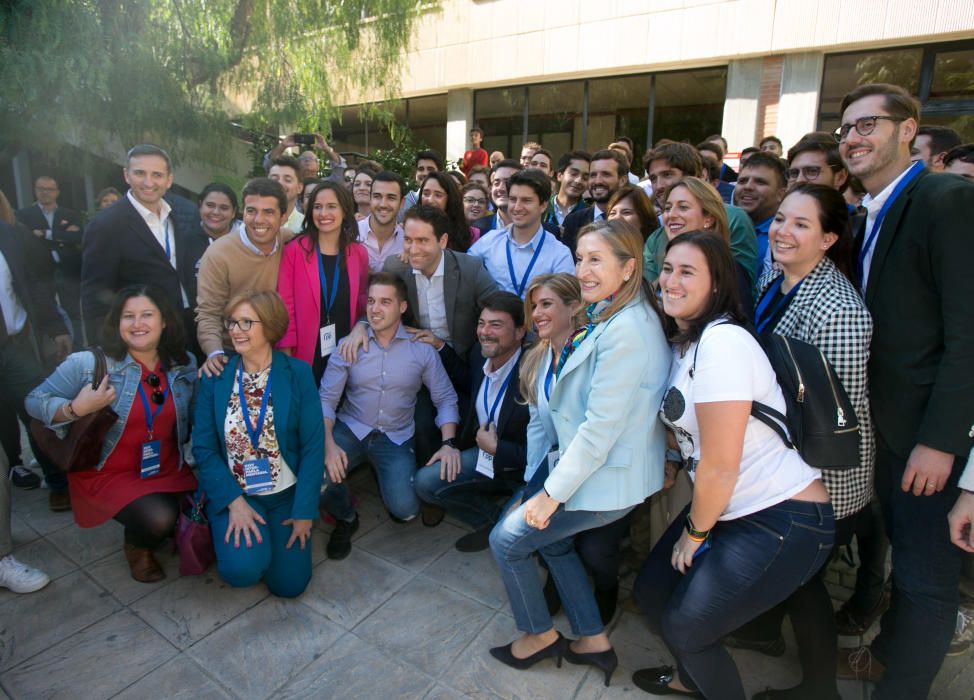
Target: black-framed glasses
<point>810,172</point>
<point>244,324</point>
<point>863,126</point>
<point>158,397</point>
<point>474,200</point>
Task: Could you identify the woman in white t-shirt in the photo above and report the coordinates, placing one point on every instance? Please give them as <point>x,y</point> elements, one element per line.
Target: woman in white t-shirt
<point>760,523</point>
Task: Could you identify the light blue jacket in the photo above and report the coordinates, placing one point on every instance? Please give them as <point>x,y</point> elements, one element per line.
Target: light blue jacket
<point>604,407</point>
<point>125,375</point>
<point>541,431</point>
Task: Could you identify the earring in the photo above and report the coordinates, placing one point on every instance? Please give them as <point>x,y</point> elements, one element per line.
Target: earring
<point>626,278</point>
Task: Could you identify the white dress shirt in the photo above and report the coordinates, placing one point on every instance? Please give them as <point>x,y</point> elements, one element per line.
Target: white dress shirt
<point>162,228</point>
<point>432,301</point>
<point>872,206</point>
<point>497,378</point>
<point>14,314</point>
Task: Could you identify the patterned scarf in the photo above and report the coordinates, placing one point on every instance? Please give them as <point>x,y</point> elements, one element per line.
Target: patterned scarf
<point>594,314</point>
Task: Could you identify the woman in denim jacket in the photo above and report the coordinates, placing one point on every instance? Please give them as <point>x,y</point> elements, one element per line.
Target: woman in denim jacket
<point>141,475</point>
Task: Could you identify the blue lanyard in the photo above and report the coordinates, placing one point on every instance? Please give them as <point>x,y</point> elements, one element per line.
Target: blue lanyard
<point>253,432</point>
<point>766,301</point>
<point>166,235</point>
<point>492,411</point>
<point>871,238</point>
<point>150,415</point>
<point>329,299</point>
<point>519,288</point>
<point>547,382</point>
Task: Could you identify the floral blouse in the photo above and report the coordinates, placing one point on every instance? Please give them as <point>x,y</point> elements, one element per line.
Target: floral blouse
<point>239,449</point>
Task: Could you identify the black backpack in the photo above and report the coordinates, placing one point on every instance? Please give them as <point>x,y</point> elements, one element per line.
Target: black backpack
<point>820,421</point>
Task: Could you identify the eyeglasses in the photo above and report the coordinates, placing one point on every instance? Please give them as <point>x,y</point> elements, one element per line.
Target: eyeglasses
<point>474,200</point>
<point>244,324</point>
<point>810,172</point>
<point>158,397</point>
<point>863,125</point>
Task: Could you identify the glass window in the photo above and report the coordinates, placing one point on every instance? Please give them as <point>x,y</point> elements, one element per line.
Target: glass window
<point>953,74</point>
<point>618,107</point>
<point>689,104</point>
<point>555,114</point>
<point>500,113</point>
<point>845,72</point>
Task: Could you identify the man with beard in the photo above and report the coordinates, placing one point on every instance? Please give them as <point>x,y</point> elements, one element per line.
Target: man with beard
<point>379,232</point>
<point>761,185</point>
<point>608,171</point>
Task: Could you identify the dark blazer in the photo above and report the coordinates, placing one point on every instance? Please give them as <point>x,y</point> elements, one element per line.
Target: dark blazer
<point>298,423</point>
<point>512,416</point>
<point>67,245</point>
<point>573,223</point>
<point>119,250</point>
<point>466,284</point>
<point>919,292</point>
<point>17,245</point>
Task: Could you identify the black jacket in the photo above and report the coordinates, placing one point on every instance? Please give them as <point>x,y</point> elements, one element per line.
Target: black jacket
<point>574,223</point>
<point>17,247</point>
<point>67,245</point>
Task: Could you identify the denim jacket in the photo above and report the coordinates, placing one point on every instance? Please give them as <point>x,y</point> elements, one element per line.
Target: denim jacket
<point>125,374</point>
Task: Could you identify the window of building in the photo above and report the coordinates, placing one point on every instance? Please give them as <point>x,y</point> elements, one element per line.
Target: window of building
<point>358,133</point>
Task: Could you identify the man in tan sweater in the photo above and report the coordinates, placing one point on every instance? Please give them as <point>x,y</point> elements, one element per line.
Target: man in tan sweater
<point>238,262</point>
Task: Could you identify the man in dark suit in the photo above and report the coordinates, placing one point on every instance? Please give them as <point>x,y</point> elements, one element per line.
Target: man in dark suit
<point>60,230</point>
<point>27,306</point>
<point>609,171</point>
<point>493,434</point>
<point>140,240</point>
<point>915,256</point>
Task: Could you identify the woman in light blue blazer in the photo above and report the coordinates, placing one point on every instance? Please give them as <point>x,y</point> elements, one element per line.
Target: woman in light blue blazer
<point>608,382</point>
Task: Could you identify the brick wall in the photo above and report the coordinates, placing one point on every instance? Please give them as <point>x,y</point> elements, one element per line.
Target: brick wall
<point>767,122</point>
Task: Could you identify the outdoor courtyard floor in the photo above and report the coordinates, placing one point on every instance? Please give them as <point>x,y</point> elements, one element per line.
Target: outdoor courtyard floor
<point>404,616</point>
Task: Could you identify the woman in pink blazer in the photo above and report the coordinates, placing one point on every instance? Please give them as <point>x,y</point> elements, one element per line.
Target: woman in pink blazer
<point>323,278</point>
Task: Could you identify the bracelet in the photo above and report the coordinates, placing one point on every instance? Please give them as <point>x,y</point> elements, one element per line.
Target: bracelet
<point>69,412</point>
<point>448,443</point>
<point>695,534</point>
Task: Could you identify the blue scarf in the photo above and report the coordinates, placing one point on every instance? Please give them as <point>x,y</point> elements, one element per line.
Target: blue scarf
<point>594,313</point>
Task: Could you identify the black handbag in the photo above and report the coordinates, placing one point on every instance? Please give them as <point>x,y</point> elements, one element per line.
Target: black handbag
<point>80,449</point>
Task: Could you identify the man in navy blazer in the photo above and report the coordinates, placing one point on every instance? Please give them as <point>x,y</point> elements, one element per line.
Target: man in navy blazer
<point>609,171</point>
<point>140,239</point>
<point>493,436</point>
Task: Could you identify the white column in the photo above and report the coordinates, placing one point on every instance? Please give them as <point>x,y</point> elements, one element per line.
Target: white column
<point>741,102</point>
<point>801,82</point>
<point>23,187</point>
<point>459,121</point>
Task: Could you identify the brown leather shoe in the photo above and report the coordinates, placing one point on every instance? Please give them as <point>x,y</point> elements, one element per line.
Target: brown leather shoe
<point>858,665</point>
<point>59,501</point>
<point>144,567</point>
<point>431,515</point>
<point>851,623</point>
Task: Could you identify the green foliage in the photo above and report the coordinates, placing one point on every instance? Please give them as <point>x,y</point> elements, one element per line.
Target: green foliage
<point>177,71</point>
<point>401,158</point>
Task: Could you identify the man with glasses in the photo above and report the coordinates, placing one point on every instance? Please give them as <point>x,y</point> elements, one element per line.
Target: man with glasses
<point>815,159</point>
<point>474,201</point>
<point>248,260</point>
<point>914,260</point>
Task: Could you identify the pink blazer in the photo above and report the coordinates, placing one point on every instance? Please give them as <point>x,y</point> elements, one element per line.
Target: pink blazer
<point>300,288</point>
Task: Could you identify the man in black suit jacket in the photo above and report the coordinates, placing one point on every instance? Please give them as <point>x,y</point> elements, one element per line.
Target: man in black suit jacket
<point>493,435</point>
<point>60,230</point>
<point>127,243</point>
<point>609,171</point>
<point>915,269</point>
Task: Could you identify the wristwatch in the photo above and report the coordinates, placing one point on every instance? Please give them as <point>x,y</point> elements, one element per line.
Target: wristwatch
<point>449,443</point>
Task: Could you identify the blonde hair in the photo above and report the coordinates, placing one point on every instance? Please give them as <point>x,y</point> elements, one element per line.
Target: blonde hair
<point>568,289</point>
<point>710,202</point>
<point>269,308</point>
<point>626,243</point>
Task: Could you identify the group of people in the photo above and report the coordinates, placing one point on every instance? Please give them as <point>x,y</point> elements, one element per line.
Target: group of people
<point>555,352</point>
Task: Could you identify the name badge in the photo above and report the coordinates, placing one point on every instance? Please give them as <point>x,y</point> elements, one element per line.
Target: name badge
<point>485,464</point>
<point>257,473</point>
<point>328,340</point>
<point>151,456</point>
<point>553,457</point>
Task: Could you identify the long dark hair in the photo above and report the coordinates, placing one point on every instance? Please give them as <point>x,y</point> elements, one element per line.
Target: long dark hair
<point>459,239</point>
<point>172,342</point>
<point>725,299</point>
<point>349,230</point>
<point>833,217</point>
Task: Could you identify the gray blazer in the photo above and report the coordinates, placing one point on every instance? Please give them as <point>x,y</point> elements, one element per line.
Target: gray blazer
<point>466,285</point>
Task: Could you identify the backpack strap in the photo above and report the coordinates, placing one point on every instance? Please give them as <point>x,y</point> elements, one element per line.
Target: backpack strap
<point>774,419</point>
<point>696,348</point>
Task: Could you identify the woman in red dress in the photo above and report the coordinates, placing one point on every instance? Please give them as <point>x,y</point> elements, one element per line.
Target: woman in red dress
<point>141,476</point>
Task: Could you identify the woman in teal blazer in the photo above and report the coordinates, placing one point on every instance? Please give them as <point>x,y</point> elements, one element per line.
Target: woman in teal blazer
<point>260,468</point>
<point>607,388</point>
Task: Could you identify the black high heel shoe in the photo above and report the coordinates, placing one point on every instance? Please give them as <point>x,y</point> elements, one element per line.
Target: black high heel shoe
<point>605,661</point>
<point>556,649</point>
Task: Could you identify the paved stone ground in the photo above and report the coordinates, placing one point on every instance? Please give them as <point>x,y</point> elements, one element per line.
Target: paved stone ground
<point>405,616</point>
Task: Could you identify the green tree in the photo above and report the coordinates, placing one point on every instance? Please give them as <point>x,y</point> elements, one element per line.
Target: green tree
<point>188,73</point>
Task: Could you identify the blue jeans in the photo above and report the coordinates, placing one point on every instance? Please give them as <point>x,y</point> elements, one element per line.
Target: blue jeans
<point>513,543</point>
<point>394,465</point>
<point>754,563</point>
<point>467,497</point>
<point>916,630</point>
<point>285,571</point>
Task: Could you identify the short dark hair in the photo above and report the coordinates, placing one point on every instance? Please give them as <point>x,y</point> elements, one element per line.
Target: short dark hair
<point>429,154</point>
<point>823,143</point>
<point>897,101</point>
<point>545,152</point>
<point>622,167</point>
<point>713,147</point>
<point>286,161</point>
<point>567,158</point>
<point>964,153</point>
<point>265,187</point>
<point>773,139</point>
<point>473,185</point>
<point>942,138</point>
<point>505,163</point>
<point>222,189</point>
<point>714,138</point>
<point>147,149</point>
<point>628,141</point>
<point>535,179</point>
<point>507,303</point>
<point>45,177</point>
<point>478,169</point>
<point>172,342</point>
<point>389,176</point>
<point>681,156</point>
<point>710,166</point>
<point>390,280</point>
<point>762,159</point>
<point>747,152</point>
<point>428,214</point>
<point>478,130</point>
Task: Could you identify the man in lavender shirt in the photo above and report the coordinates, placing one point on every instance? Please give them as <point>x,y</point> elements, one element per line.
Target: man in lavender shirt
<point>376,422</point>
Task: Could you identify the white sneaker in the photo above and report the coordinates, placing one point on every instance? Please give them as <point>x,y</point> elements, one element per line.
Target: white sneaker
<point>21,578</point>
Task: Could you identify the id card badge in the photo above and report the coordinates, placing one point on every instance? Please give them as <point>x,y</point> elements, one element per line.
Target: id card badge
<point>485,464</point>
<point>151,456</point>
<point>257,474</point>
<point>328,341</point>
<point>553,458</point>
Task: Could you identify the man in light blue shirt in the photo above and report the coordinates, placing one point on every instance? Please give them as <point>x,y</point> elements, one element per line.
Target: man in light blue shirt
<point>514,255</point>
